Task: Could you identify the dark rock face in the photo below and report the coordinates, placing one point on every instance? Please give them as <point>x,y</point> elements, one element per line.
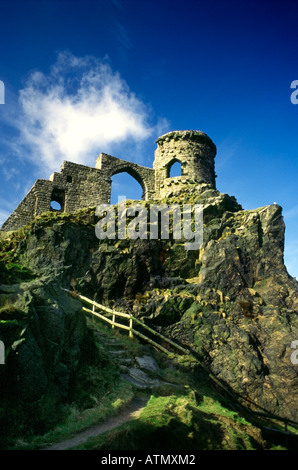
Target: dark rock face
<point>232,301</point>
<point>244,315</point>
<point>44,332</point>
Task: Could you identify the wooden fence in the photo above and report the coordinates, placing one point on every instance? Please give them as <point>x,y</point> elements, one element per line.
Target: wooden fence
<point>110,318</point>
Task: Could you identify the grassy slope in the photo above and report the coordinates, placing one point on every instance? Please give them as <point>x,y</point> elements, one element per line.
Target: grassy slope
<point>194,418</point>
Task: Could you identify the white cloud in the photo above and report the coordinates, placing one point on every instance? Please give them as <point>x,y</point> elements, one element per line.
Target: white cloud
<point>78,110</point>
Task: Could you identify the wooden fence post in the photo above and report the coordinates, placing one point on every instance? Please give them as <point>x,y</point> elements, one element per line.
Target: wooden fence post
<point>93,317</point>
<point>130,327</point>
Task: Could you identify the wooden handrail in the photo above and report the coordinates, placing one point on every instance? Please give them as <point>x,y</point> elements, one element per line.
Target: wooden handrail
<point>103,307</point>
<point>119,325</point>
<point>150,341</point>
<point>129,328</point>
<point>161,336</point>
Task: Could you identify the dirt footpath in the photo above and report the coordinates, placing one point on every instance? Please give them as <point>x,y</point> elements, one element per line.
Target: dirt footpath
<point>129,413</point>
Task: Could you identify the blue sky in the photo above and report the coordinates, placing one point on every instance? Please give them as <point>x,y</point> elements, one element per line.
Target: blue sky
<point>92,76</point>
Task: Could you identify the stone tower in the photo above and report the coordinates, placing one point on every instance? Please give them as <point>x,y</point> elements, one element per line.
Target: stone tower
<point>194,150</point>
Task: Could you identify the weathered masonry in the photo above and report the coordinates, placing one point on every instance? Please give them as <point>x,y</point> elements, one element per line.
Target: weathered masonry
<point>194,150</point>
<point>79,186</point>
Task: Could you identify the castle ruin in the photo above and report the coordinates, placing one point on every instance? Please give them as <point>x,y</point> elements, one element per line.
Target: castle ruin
<point>78,186</point>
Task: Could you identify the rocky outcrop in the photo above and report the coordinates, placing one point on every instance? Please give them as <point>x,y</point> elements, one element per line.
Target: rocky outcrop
<point>239,308</point>
<point>232,301</point>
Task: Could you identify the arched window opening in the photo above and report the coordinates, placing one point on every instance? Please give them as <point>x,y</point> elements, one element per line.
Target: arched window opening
<point>57,200</point>
<point>123,184</point>
<point>56,206</point>
<point>174,169</point>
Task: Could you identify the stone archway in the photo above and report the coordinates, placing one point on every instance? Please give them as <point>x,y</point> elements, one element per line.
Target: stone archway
<point>134,174</point>
<point>124,184</point>
<point>111,166</point>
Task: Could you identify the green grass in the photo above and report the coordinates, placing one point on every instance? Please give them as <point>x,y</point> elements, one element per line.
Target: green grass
<point>190,418</point>
<point>77,420</point>
<point>179,423</point>
<point>97,393</point>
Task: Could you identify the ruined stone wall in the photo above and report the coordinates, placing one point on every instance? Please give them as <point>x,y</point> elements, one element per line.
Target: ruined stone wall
<point>79,186</point>
<point>75,187</point>
<point>34,203</point>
